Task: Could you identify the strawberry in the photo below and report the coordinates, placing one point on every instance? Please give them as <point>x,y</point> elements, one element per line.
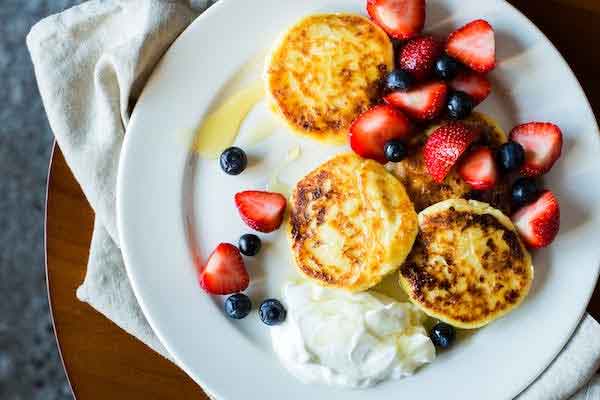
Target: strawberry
<point>538,223</point>
<point>478,169</point>
<point>475,85</point>
<point>419,55</point>
<point>401,19</point>
<point>474,45</point>
<point>445,146</point>
<point>542,143</point>
<point>261,211</point>
<point>423,102</point>
<point>372,129</point>
<point>224,272</point>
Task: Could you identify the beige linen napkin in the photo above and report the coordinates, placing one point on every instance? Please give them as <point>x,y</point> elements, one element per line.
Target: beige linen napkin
<point>91,63</point>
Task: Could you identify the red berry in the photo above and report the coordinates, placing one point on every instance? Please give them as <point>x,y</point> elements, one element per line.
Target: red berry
<point>224,272</point>
<point>423,102</point>
<point>419,55</point>
<point>478,169</point>
<point>542,143</point>
<point>538,223</point>
<point>475,85</point>
<point>261,211</point>
<point>445,146</point>
<point>372,129</point>
<point>401,19</point>
<point>474,45</point>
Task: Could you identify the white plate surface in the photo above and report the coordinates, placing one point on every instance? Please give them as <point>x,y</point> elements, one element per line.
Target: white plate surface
<point>173,206</point>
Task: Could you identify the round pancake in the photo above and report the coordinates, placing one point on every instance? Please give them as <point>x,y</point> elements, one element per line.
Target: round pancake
<point>424,191</point>
<point>468,265</point>
<point>325,71</point>
<point>350,223</point>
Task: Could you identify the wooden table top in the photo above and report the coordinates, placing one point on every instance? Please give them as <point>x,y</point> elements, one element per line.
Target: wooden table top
<point>104,362</point>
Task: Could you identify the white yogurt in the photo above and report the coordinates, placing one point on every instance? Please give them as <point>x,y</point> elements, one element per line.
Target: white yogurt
<point>353,340</point>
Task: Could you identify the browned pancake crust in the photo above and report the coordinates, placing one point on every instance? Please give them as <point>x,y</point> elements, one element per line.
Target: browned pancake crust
<point>455,292</point>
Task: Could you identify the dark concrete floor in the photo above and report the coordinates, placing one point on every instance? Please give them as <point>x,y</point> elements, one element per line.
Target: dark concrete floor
<point>29,363</point>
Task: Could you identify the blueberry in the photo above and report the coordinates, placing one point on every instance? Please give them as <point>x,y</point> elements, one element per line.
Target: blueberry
<point>249,244</point>
<point>397,80</point>
<point>272,312</point>
<point>446,67</point>
<point>237,306</point>
<point>511,156</point>
<point>394,150</point>
<point>233,161</point>
<point>524,191</point>
<point>460,105</point>
<point>442,335</point>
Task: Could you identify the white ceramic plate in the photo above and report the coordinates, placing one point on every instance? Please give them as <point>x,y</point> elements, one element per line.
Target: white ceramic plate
<point>173,207</point>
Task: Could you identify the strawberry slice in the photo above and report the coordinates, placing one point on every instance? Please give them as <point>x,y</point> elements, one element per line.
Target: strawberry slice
<point>424,102</point>
<point>445,146</point>
<point>224,272</point>
<point>475,85</point>
<point>261,211</point>
<point>401,19</point>
<point>418,56</point>
<point>538,223</point>
<point>478,169</point>
<point>372,129</point>
<point>542,143</point>
<point>474,45</point>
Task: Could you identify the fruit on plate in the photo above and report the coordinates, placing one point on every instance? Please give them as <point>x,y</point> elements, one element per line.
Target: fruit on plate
<point>397,80</point>
<point>442,335</point>
<point>445,146</point>
<point>401,19</point>
<point>419,55</point>
<point>238,306</point>
<point>394,150</point>
<point>446,67</point>
<point>423,102</point>
<point>475,85</point>
<point>224,272</point>
<point>233,161</point>
<point>524,191</point>
<point>542,143</point>
<point>372,129</point>
<point>272,312</point>
<point>261,211</point>
<point>474,45</point>
<point>538,223</point>
<point>249,244</point>
<point>460,105</point>
<point>478,169</point>
<point>511,156</point>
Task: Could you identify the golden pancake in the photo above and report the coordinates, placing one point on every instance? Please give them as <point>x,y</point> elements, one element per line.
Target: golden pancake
<point>468,265</point>
<point>325,71</point>
<point>350,223</point>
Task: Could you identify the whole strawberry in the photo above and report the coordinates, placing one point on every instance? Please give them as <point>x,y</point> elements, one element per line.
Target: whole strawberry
<point>419,55</point>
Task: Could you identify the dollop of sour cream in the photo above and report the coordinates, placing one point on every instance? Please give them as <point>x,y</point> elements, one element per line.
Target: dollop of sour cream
<point>352,340</point>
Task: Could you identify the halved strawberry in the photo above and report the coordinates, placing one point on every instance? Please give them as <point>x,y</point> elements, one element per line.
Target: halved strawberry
<point>475,85</point>
<point>542,143</point>
<point>478,169</point>
<point>418,56</point>
<point>445,146</point>
<point>423,102</point>
<point>224,272</point>
<point>538,223</point>
<point>261,211</point>
<point>401,19</point>
<point>372,129</point>
<point>474,45</point>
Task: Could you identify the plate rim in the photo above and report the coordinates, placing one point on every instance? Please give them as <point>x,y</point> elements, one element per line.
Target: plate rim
<point>121,188</point>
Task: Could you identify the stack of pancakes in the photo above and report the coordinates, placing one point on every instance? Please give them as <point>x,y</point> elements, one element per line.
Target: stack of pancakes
<point>352,221</point>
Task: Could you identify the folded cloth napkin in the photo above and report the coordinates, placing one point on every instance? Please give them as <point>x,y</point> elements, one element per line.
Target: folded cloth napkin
<point>91,63</point>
